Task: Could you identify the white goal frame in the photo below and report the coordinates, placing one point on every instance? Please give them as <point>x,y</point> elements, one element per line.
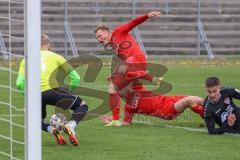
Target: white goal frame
<point>33,92</point>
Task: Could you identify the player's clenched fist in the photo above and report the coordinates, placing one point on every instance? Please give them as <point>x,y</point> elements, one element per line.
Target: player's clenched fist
<point>231,119</point>
<point>154,14</point>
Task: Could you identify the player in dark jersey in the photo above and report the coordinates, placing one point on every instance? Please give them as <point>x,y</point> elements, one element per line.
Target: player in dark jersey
<point>220,108</point>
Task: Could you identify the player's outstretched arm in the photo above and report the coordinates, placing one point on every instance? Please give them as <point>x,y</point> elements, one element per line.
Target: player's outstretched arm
<point>20,83</point>
<point>135,22</point>
<point>234,92</point>
<point>74,80</point>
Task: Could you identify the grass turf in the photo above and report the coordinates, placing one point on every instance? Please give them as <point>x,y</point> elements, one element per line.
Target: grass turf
<point>140,141</point>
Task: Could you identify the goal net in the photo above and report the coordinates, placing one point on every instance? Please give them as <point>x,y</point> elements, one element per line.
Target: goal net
<point>20,131</point>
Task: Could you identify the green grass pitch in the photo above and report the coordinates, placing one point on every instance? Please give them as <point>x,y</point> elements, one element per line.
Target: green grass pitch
<point>149,138</point>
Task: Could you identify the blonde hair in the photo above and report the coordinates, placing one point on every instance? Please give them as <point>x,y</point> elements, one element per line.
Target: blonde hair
<point>44,40</point>
<point>101,27</point>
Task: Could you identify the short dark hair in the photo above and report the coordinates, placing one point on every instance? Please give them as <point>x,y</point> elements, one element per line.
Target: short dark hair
<point>101,27</point>
<point>212,81</point>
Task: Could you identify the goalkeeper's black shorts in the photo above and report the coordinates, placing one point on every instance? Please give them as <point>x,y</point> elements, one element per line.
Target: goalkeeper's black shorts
<point>59,97</point>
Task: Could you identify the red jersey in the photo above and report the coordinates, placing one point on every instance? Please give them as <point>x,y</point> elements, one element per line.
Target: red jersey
<point>128,50</point>
<point>125,45</point>
<point>141,101</point>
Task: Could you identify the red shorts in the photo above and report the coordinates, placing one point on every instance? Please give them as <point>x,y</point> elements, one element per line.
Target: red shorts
<point>120,81</point>
<point>132,64</point>
<point>160,106</point>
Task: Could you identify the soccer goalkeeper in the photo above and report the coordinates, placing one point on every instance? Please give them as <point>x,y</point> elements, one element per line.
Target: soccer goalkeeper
<point>53,94</point>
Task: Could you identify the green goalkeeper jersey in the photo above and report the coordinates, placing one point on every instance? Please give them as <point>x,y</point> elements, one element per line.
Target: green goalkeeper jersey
<point>51,65</point>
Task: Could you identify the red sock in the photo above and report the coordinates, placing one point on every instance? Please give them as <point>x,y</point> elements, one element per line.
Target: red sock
<point>114,103</point>
<point>199,110</point>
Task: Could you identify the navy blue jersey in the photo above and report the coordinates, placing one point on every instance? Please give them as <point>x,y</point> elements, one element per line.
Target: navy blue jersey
<point>217,112</point>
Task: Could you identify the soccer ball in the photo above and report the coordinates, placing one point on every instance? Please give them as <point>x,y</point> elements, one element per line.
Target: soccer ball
<point>58,121</point>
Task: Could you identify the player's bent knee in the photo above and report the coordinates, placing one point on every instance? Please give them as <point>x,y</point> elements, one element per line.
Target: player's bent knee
<point>80,109</point>
<point>195,100</point>
<point>77,103</point>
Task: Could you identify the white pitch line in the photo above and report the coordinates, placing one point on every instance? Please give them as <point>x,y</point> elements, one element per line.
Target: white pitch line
<point>170,126</point>
<point>184,128</point>
<point>16,115</point>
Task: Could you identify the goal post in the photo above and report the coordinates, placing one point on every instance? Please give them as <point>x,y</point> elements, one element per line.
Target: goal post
<point>32,70</point>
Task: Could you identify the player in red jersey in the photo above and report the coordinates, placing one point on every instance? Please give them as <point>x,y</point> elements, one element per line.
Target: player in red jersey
<point>129,53</point>
<point>141,101</point>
